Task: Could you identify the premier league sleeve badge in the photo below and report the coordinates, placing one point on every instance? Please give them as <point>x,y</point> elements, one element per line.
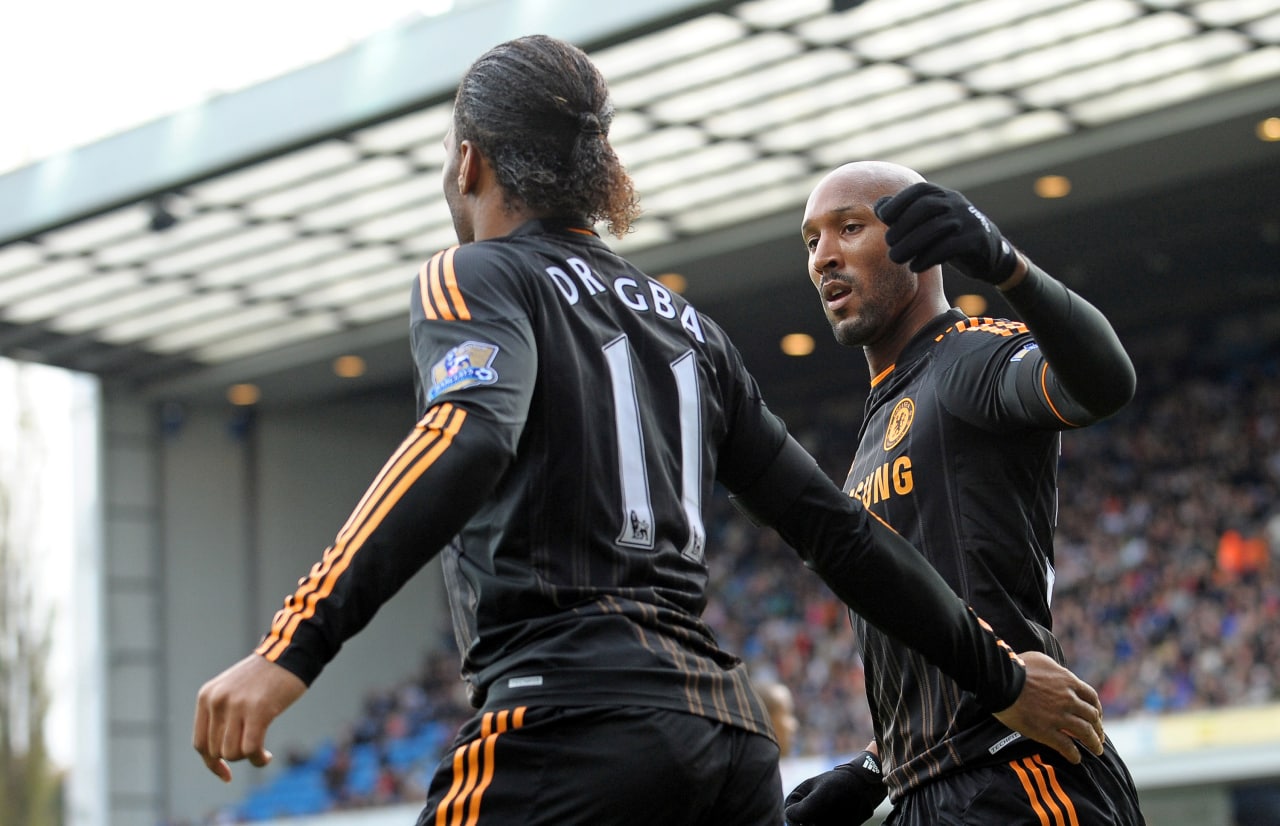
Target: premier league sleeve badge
<point>466,365</point>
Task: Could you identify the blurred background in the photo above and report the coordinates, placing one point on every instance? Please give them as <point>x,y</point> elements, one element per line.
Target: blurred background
<point>209,219</point>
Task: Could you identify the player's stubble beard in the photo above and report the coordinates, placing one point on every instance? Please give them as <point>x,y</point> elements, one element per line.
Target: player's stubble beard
<point>881,297</point>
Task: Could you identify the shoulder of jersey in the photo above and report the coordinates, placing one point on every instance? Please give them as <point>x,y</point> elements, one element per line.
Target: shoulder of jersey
<point>991,326</point>
<point>449,278</point>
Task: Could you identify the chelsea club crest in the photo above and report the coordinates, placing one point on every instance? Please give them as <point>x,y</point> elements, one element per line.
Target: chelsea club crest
<point>904,412</point>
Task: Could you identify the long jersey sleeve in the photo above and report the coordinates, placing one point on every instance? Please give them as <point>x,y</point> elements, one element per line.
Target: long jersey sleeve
<point>583,405</point>
<point>1085,367</point>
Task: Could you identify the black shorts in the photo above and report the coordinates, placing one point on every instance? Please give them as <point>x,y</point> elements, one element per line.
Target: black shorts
<point>629,766</point>
<point>1041,789</point>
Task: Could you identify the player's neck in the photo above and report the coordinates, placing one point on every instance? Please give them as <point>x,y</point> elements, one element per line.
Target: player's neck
<point>494,218</point>
<point>883,353</point>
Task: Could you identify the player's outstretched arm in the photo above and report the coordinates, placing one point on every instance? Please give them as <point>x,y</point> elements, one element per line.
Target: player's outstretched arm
<point>234,709</point>
<point>929,225</point>
<point>1057,708</point>
<point>883,578</point>
<point>1054,708</point>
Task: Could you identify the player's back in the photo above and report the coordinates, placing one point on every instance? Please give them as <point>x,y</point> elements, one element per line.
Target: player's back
<point>584,576</point>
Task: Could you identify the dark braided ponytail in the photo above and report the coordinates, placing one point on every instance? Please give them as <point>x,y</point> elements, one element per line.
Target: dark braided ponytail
<point>539,110</point>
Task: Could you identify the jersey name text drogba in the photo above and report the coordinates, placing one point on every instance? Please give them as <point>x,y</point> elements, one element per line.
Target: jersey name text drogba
<point>652,297</point>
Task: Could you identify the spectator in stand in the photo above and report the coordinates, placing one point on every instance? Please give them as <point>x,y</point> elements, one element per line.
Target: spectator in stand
<point>781,706</point>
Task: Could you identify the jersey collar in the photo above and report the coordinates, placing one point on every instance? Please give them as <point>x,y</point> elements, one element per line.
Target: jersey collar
<point>930,334</point>
<point>549,226</point>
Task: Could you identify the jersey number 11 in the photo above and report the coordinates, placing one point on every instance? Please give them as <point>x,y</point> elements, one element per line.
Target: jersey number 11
<point>637,508</point>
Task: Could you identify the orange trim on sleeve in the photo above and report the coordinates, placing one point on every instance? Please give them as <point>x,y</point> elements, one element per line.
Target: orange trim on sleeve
<point>1000,643</point>
<point>1044,388</point>
<point>433,420</point>
<point>412,460</point>
<point>877,517</point>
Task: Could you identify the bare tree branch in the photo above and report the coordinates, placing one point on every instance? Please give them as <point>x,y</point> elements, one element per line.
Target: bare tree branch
<point>29,782</point>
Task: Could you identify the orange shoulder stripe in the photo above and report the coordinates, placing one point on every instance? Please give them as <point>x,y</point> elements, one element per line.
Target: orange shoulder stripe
<point>438,283</point>
<point>394,466</point>
<point>437,288</point>
<point>451,284</point>
<point>424,287</point>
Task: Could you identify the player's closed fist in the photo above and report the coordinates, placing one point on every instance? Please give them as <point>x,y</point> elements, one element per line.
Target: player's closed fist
<point>931,225</point>
<point>844,796</point>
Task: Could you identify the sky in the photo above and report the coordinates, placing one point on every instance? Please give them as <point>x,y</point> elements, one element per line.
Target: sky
<point>75,71</point>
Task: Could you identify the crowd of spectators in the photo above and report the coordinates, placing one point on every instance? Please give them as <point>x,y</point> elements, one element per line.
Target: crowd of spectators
<point>1166,586</point>
<point>1166,582</point>
<point>1169,522</point>
<point>399,735</point>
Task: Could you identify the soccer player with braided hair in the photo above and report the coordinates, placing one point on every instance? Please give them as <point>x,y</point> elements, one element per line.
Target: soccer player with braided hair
<point>541,117</point>
<point>574,417</point>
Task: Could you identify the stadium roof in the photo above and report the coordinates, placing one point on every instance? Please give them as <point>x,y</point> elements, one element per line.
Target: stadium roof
<point>256,237</point>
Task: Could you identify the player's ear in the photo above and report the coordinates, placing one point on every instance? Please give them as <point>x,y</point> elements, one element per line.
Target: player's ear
<point>469,162</point>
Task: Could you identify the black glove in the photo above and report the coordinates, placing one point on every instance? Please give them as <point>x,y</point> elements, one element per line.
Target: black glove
<point>845,796</point>
<point>930,225</point>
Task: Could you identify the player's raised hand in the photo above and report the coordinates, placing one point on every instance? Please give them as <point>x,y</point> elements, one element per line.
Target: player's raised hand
<point>1056,708</point>
<point>234,709</point>
<point>931,225</point>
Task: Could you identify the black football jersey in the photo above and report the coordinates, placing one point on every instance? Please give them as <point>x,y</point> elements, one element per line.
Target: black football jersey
<point>578,575</point>
<point>958,451</point>
<point>582,577</point>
